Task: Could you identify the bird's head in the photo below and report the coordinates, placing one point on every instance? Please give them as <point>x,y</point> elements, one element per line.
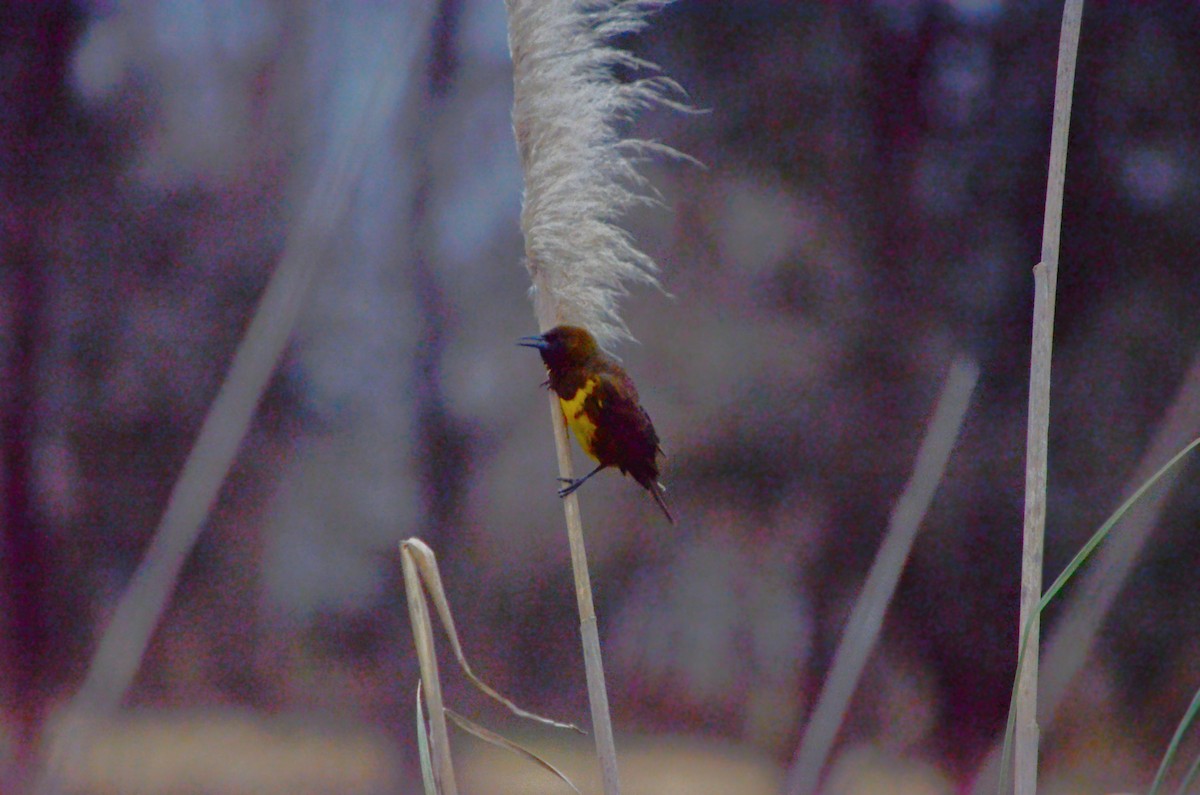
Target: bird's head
<point>563,347</point>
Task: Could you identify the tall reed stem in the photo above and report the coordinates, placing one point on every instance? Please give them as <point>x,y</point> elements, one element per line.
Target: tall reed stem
<point>580,177</point>
<point>593,661</point>
<point>1045,283</point>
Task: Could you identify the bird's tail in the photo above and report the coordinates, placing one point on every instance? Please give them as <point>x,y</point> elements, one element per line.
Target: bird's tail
<point>658,490</point>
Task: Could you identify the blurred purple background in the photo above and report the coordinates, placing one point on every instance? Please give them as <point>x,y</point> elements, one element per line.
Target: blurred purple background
<point>871,206</point>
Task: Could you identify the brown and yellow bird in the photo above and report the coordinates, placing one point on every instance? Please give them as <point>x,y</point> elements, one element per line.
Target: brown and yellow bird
<point>600,404</point>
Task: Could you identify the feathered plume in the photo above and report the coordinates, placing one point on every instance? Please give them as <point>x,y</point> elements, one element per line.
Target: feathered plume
<point>580,175</point>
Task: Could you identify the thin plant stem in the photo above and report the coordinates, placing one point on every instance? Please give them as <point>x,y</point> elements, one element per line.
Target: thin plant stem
<point>1045,285</point>
<point>431,683</point>
<point>593,661</point>
<point>866,620</point>
<point>580,177</point>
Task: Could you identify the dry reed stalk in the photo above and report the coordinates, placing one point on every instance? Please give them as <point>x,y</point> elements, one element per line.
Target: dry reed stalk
<point>431,683</point>
<point>422,577</point>
<point>1025,758</point>
<point>866,619</point>
<point>580,178</point>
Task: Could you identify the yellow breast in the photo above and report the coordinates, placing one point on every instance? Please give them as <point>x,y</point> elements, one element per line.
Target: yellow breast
<point>577,418</point>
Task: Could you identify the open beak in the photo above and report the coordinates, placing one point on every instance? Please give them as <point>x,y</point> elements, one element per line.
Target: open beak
<point>533,342</point>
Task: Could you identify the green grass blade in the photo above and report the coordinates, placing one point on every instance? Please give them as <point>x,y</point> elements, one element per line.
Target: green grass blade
<point>1189,778</point>
<point>1173,748</point>
<point>1004,782</point>
<point>1117,516</point>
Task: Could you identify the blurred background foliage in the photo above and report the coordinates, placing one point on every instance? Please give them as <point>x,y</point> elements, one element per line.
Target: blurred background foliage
<point>871,205</point>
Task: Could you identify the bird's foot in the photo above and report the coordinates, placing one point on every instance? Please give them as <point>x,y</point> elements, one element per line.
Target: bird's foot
<point>572,485</point>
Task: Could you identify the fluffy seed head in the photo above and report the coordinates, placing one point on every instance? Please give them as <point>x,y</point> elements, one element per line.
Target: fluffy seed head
<point>580,175</point>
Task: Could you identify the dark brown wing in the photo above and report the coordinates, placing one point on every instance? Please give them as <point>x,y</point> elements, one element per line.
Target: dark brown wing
<point>625,436</point>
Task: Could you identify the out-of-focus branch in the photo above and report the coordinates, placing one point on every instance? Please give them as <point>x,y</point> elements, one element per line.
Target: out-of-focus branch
<point>866,620</point>
<point>125,639</point>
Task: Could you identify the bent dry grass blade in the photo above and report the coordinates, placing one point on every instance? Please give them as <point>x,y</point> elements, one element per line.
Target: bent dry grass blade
<point>423,750</point>
<point>417,554</point>
<point>500,741</point>
<point>422,627</point>
<point>423,579</point>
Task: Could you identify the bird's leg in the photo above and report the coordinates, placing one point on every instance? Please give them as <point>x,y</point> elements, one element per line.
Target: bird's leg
<point>572,485</point>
